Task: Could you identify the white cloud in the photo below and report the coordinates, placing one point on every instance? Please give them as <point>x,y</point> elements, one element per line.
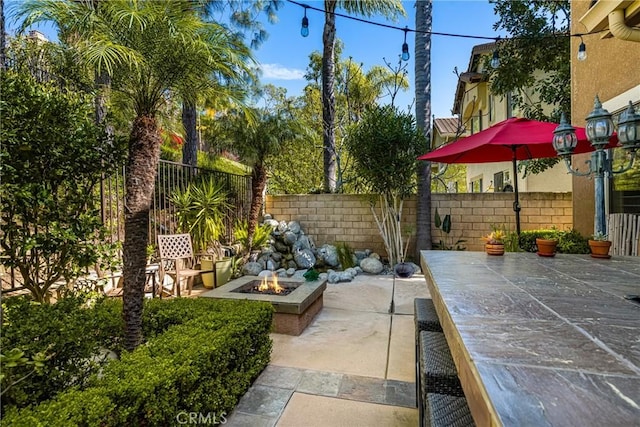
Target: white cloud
<point>278,72</point>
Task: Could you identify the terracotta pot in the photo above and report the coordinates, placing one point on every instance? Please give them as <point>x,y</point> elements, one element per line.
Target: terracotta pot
<point>494,248</point>
<point>546,247</point>
<point>600,248</point>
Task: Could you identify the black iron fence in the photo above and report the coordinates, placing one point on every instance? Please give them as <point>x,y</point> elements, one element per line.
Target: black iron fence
<point>170,177</point>
<point>162,218</point>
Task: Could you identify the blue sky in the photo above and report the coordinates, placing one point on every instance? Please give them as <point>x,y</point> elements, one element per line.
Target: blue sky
<point>284,56</point>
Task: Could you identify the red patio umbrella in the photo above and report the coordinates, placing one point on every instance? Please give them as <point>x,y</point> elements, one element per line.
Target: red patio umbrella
<point>512,139</point>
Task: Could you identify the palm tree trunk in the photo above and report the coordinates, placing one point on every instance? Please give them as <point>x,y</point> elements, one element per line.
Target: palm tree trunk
<point>2,38</point>
<point>144,154</point>
<point>190,146</point>
<point>258,183</point>
<point>328,96</point>
<point>423,119</point>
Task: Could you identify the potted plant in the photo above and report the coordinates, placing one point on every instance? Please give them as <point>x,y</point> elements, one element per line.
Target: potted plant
<point>200,210</point>
<point>600,245</point>
<point>546,244</point>
<point>494,242</point>
<point>404,269</point>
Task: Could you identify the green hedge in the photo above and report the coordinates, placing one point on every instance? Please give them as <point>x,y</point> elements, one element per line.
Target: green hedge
<point>69,332</point>
<point>569,241</point>
<point>202,358</point>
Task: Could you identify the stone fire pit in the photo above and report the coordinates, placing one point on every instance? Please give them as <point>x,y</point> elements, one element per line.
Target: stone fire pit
<point>293,312</point>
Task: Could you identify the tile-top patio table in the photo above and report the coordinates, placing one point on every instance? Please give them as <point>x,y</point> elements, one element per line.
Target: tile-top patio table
<point>541,341</point>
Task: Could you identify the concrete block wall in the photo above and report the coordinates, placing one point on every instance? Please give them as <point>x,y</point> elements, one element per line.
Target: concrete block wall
<point>331,218</point>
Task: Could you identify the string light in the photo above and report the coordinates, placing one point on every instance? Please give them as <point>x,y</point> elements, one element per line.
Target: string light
<point>304,31</point>
<point>435,33</point>
<point>495,59</point>
<point>405,46</point>
<point>582,50</point>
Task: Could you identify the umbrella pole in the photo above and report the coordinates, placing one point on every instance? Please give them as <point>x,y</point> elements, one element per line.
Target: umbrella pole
<point>516,203</point>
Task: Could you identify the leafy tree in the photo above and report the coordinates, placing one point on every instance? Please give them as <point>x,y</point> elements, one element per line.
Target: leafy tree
<point>388,8</point>
<point>385,146</point>
<point>53,158</point>
<point>227,86</point>
<point>423,118</point>
<point>296,168</point>
<point>258,139</point>
<point>535,62</point>
<point>356,89</point>
<point>150,49</point>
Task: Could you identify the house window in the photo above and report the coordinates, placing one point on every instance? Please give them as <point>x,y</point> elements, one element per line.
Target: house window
<point>475,186</point>
<point>502,181</point>
<point>498,182</point>
<point>490,109</point>
<point>625,191</point>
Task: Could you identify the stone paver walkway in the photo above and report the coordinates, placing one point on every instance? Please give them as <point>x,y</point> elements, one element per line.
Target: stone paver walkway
<point>353,366</point>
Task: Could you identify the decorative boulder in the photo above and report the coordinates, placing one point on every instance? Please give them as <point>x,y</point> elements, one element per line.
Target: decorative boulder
<point>266,273</point>
<point>252,269</point>
<point>371,265</point>
<point>294,227</point>
<point>305,258</point>
<point>352,272</point>
<point>328,255</point>
<point>290,237</point>
<point>303,242</point>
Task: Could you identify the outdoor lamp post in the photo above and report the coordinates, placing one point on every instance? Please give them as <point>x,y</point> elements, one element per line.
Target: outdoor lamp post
<point>599,131</point>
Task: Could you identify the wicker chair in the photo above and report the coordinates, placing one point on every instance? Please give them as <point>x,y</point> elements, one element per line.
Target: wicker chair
<point>177,260</point>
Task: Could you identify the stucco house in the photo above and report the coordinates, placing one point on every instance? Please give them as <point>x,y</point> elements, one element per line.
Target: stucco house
<point>477,109</point>
<point>611,70</point>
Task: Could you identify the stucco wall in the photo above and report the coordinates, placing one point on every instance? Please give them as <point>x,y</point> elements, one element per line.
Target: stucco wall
<point>552,180</point>
<point>331,218</point>
<point>612,67</point>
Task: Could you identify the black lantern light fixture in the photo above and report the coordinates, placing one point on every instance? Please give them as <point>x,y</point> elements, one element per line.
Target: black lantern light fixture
<point>599,131</point>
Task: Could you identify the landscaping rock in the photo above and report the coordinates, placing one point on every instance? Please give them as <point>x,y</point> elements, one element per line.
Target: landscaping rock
<point>328,255</point>
<point>252,269</point>
<point>305,258</point>
<point>371,265</point>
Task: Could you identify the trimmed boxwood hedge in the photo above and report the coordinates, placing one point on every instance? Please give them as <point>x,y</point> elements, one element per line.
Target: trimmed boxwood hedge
<point>201,356</point>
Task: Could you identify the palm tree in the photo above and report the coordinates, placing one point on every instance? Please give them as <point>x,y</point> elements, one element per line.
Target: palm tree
<point>388,8</point>
<point>257,138</point>
<point>150,49</point>
<point>423,119</point>
<point>243,15</point>
<point>2,38</point>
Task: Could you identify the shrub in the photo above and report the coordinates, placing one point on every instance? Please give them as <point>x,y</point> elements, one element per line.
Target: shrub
<point>69,333</point>
<point>569,241</point>
<point>53,157</point>
<point>345,255</point>
<point>204,355</point>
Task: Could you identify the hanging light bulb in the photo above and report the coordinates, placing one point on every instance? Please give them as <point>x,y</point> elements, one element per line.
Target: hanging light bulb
<point>495,60</point>
<point>405,47</point>
<point>582,50</point>
<point>304,31</point>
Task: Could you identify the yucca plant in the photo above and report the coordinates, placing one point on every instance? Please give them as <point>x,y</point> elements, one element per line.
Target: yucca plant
<point>261,235</point>
<point>200,210</point>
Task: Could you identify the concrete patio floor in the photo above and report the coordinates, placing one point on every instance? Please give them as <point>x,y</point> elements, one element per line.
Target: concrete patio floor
<point>353,366</point>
